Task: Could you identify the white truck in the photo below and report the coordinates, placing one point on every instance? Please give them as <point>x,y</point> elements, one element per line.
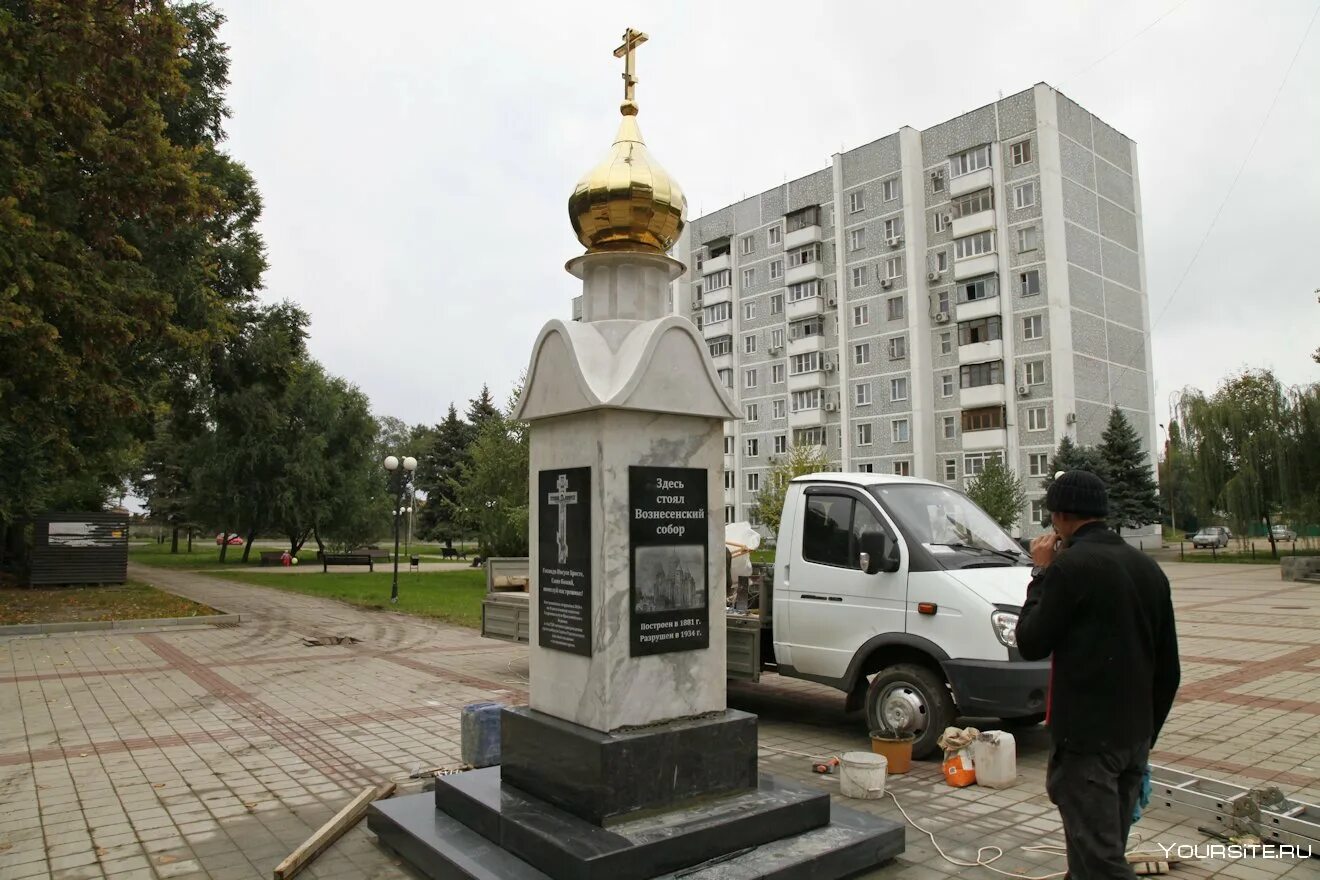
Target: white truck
<point>902,594</point>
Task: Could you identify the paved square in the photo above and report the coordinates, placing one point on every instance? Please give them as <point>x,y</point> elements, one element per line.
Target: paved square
<point>213,752</point>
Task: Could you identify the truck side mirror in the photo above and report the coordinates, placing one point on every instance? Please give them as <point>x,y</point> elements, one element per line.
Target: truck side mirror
<point>875,552</point>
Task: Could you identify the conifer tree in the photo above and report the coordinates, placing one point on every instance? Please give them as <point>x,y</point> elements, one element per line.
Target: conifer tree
<point>1133,498</point>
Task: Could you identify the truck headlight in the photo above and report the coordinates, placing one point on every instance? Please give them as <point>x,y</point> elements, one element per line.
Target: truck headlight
<point>1005,626</point>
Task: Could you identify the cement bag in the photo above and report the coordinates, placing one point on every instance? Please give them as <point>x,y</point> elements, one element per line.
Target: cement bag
<point>959,768</point>
<point>741,539</point>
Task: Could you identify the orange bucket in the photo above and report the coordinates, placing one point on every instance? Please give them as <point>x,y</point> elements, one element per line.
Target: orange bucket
<point>897,751</point>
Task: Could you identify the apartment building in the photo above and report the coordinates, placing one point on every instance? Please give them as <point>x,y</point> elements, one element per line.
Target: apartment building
<point>933,300</point>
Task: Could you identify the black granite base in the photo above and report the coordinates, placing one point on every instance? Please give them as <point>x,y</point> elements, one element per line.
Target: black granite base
<point>600,776</point>
<point>443,848</point>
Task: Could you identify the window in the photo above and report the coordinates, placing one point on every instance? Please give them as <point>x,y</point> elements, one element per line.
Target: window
<point>804,290</point>
<point>862,393</point>
<point>942,302</point>
<point>858,276</point>
<point>946,343</point>
<point>1033,327</point>
<point>897,348</point>
<point>864,434</point>
<point>774,235</point>
<point>1038,515</point>
<point>950,469</point>
<point>776,374</point>
<point>866,469</point>
<point>1029,282</point>
<point>726,378</point>
<point>899,430</point>
<point>832,528</point>
<point>718,280</point>
<point>903,468</point>
<point>980,288</point>
<point>983,418</point>
<point>974,203</point>
<point>753,482</point>
<point>894,308</point>
<point>752,516</point>
<point>753,412</point>
<point>809,327</point>
<point>980,330</point>
<point>893,267</point>
<point>720,345</point>
<point>898,388</point>
<point>889,189</point>
<point>746,244</point>
<point>950,427</point>
<point>857,239</point>
<point>1026,239</point>
<point>804,255</point>
<point>776,269</point>
<point>749,378</point>
<point>753,447</point>
<point>893,229</point>
<point>937,181</point>
<point>803,218</point>
<point>777,406</point>
<point>805,400</point>
<point>777,337</point>
<point>1038,463</point>
<point>730,480</point>
<point>749,311</point>
<point>728,446</point>
<point>1024,195</point>
<point>862,353</point>
<point>974,462</point>
<point>776,303</point>
<point>1020,153</point>
<point>781,443</point>
<point>942,261</point>
<point>856,202</point>
<point>974,245</point>
<point>718,312</point>
<point>809,437</point>
<point>701,259</point>
<point>946,385</point>
<point>804,363</point>
<point>861,315</point>
<point>941,221</point>
<point>1038,418</point>
<point>1034,372</point>
<point>969,160</point>
<point>729,513</point>
<point>987,373</point>
<point>748,276</point>
<point>749,343</point>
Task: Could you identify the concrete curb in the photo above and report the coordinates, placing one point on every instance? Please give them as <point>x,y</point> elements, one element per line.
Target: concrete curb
<point>34,629</point>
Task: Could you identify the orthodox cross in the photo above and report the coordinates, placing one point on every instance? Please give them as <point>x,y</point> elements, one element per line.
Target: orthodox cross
<point>562,498</point>
<point>631,40</point>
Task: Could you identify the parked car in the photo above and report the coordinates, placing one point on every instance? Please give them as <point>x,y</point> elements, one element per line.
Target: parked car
<point>234,540</point>
<point>1211,536</point>
<point>1282,533</point>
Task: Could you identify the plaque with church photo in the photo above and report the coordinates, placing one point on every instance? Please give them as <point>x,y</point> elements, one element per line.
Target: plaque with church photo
<point>563,577</point>
<point>669,564</point>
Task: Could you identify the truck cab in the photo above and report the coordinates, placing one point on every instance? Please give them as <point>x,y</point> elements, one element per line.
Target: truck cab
<point>903,594</point>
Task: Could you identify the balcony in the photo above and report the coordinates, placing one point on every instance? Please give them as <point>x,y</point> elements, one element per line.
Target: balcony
<point>723,361</point>
<point>728,461</point>
<point>970,182</point>
<point>981,221</point>
<point>993,438</point>
<point>712,297</point>
<point>714,329</point>
<point>980,351</point>
<point>730,496</point>
<point>806,381</point>
<point>805,308</point>
<point>806,418</point>
<point>970,267</point>
<point>981,308</point>
<point>715,264</point>
<point>804,344</point>
<point>799,237</point>
<point>982,395</point>
<point>805,272</point>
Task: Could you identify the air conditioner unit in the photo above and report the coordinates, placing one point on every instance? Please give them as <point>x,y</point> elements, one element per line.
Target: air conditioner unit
<point>830,406</point>
<point>948,218</point>
<point>941,317</point>
<point>775,349</point>
<point>1023,390</point>
<point>886,283</point>
<point>1071,418</point>
<point>895,241</point>
<point>829,366</point>
<point>933,275</point>
<point>831,301</point>
<point>696,303</point>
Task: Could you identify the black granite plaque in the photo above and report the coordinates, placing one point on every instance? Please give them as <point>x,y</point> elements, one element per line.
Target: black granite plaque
<point>563,579</point>
<point>668,555</point>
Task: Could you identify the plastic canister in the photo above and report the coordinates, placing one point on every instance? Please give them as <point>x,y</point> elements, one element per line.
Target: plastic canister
<point>995,755</point>
<point>480,728</point>
<point>862,775</point>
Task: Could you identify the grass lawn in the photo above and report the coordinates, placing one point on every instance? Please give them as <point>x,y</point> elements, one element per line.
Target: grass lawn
<point>451,596</point>
<point>205,555</point>
<point>1261,557</point>
<point>131,601</point>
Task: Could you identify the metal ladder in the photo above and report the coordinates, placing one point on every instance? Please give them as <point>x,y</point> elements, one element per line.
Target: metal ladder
<point>1236,810</point>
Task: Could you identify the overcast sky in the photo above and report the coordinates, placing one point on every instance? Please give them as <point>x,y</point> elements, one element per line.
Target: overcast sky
<point>415,157</point>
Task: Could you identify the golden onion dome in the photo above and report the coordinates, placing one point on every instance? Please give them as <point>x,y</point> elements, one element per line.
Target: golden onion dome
<point>627,202</point>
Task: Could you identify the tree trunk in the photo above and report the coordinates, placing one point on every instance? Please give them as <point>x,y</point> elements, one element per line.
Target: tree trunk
<point>224,543</point>
<point>174,539</point>
<point>298,544</point>
<point>247,545</point>
<point>1269,533</point>
<point>190,539</point>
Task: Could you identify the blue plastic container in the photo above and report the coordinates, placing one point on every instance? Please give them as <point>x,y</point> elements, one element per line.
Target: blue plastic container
<point>480,726</point>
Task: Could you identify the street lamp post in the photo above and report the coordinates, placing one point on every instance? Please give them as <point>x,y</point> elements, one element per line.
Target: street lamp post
<point>401,478</point>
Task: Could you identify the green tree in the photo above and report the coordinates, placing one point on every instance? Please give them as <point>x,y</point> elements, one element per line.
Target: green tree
<point>999,492</point>
<point>491,490</point>
<point>798,461</point>
<point>437,472</point>
<point>481,409</point>
<point>1133,499</point>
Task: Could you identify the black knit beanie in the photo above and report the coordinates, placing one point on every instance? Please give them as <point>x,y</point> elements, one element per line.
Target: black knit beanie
<point>1078,492</point>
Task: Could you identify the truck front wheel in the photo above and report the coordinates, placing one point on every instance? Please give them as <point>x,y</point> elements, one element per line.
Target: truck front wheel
<point>911,699</point>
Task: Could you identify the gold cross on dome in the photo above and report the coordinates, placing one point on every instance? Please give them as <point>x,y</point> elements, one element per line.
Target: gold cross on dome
<point>631,40</point>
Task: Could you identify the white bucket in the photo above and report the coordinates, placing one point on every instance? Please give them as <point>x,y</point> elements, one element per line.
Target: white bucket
<point>995,755</point>
<point>862,775</point>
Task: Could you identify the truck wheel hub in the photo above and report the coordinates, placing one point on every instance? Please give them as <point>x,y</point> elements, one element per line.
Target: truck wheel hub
<point>902,708</point>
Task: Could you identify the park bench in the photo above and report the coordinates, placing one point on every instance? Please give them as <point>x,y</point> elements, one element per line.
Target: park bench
<point>329,559</point>
<point>452,553</point>
<point>272,557</point>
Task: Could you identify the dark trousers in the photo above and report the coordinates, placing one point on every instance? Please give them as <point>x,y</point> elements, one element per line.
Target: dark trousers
<point>1096,793</point>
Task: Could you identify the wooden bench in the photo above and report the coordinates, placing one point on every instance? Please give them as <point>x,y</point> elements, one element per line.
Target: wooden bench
<point>329,559</point>
<point>452,553</point>
<point>272,557</point>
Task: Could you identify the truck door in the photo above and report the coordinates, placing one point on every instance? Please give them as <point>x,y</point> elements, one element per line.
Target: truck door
<point>835,606</point>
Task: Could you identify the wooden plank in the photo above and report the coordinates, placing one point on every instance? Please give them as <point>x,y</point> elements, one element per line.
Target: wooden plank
<point>331,831</point>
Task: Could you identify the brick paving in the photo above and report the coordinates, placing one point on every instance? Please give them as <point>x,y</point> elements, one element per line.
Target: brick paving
<point>213,752</point>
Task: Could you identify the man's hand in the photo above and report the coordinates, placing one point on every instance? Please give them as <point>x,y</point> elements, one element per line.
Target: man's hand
<point>1042,549</point>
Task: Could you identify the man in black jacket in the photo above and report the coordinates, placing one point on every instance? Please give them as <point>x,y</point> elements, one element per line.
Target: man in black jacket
<point>1103,610</point>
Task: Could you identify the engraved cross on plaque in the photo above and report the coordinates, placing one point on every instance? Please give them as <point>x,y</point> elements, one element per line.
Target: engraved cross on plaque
<point>631,40</point>
<point>562,498</point>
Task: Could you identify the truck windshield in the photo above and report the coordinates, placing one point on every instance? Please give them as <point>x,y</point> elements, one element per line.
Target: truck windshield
<point>948,524</point>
